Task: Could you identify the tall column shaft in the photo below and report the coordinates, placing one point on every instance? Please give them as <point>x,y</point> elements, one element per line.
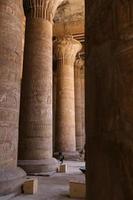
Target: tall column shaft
<point>35,151</point>
<point>79,103</point>
<point>11,54</point>
<point>66,50</point>
<point>109,100</point>
<point>54,106</point>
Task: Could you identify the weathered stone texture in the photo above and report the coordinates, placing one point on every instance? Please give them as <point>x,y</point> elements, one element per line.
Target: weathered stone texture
<point>109,100</point>
<point>35,151</point>
<point>79,77</point>
<point>36,112</point>
<point>11,48</point>
<point>66,50</point>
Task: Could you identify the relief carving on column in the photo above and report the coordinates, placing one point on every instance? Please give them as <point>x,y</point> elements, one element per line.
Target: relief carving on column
<point>12,22</point>
<point>44,9</point>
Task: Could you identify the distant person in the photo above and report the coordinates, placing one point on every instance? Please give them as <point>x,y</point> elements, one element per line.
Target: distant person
<point>61,158</point>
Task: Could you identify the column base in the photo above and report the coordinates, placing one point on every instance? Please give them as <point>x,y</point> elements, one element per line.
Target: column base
<point>39,166</point>
<point>73,156</point>
<point>11,181</point>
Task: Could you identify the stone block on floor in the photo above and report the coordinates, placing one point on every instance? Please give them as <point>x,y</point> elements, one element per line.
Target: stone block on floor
<point>77,189</point>
<point>62,168</point>
<point>30,186</point>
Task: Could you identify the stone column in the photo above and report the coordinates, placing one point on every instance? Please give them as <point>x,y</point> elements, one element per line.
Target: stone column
<point>66,50</point>
<point>79,103</point>
<point>35,150</point>
<point>109,99</point>
<point>11,58</point>
<point>54,106</point>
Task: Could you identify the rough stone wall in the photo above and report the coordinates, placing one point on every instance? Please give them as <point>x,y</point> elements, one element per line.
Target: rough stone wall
<point>109,99</point>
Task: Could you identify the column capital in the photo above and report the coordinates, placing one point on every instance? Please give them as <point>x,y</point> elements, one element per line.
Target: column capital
<point>79,62</point>
<point>80,67</point>
<point>67,48</point>
<point>44,9</point>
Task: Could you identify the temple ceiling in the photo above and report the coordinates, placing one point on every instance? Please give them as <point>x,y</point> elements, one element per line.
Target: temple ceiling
<point>69,19</point>
<point>70,10</point>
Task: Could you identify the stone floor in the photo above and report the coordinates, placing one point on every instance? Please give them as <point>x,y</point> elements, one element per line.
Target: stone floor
<point>56,187</point>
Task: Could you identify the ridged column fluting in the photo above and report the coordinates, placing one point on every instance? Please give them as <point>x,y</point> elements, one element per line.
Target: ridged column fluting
<point>11,57</point>
<point>66,50</point>
<point>35,150</point>
<point>79,77</point>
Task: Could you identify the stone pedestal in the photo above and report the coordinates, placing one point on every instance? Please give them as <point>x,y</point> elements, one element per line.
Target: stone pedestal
<point>11,180</point>
<point>11,54</point>
<point>79,76</point>
<point>66,50</point>
<point>109,100</point>
<point>35,146</point>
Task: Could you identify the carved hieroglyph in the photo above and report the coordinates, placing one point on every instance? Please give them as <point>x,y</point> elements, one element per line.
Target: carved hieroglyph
<point>66,50</point>
<point>79,76</point>
<point>109,99</point>
<point>35,150</point>
<point>11,59</point>
<point>11,47</point>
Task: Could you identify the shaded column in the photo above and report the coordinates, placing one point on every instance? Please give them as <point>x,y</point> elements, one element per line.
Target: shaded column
<point>66,50</point>
<point>79,103</point>
<point>109,100</point>
<point>35,146</point>
<point>11,58</point>
<point>54,105</point>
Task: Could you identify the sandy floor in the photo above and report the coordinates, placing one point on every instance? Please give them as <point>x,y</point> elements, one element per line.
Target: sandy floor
<point>56,187</point>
